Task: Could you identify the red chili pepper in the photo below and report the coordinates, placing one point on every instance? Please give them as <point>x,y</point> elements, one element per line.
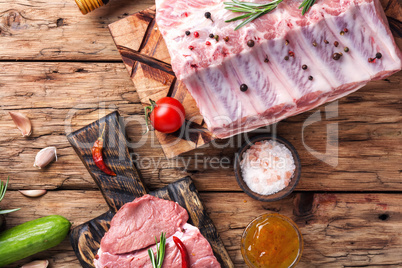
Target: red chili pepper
<point>98,157</point>
<point>208,43</point>
<point>196,34</point>
<point>185,260</point>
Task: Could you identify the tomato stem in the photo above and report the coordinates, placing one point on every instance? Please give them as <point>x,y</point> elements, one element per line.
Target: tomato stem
<point>148,110</point>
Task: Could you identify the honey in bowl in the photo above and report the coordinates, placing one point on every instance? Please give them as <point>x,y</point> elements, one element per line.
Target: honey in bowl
<point>272,240</point>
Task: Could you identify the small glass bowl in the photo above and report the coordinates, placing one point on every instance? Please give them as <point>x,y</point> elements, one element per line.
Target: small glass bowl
<point>278,195</point>
<point>269,215</point>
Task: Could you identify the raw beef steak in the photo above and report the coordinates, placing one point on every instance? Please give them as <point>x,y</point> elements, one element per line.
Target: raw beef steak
<point>137,223</point>
<point>133,230</point>
<point>199,250</point>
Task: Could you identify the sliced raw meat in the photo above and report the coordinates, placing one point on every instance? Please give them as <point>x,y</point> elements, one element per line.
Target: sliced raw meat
<point>213,70</point>
<point>136,224</point>
<point>199,250</point>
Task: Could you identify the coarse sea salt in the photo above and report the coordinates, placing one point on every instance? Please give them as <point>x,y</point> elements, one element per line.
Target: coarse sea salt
<point>267,167</point>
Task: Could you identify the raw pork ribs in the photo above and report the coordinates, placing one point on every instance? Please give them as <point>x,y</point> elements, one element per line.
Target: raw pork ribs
<point>290,69</point>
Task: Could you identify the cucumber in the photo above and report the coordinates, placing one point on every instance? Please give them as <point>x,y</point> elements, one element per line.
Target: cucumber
<point>32,237</point>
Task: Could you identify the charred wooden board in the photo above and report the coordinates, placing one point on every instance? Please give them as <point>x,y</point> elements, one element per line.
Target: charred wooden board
<point>127,186</point>
<point>147,60</point>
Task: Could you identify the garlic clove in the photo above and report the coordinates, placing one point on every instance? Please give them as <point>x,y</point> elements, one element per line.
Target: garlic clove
<point>22,122</point>
<point>45,156</point>
<point>33,193</point>
<point>36,264</point>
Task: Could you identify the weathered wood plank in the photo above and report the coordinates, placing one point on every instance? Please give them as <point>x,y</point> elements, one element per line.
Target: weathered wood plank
<point>55,95</point>
<point>339,230</point>
<point>56,30</point>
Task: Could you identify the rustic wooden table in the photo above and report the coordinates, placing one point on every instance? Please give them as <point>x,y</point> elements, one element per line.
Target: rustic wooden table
<point>62,69</point>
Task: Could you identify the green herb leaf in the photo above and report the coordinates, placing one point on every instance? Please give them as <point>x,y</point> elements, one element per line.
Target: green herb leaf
<point>160,252</point>
<point>8,211</point>
<point>306,5</point>
<point>3,189</point>
<point>151,255</point>
<point>239,17</point>
<point>252,10</point>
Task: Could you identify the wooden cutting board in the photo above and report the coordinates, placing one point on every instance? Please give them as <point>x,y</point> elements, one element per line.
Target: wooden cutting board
<point>147,59</point>
<point>127,186</point>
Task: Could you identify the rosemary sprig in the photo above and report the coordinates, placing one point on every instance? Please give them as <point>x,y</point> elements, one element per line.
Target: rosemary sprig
<point>306,5</point>
<point>160,252</point>
<point>252,10</point>
<point>3,189</point>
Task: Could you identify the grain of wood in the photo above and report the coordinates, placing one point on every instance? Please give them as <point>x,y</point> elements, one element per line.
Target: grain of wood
<point>56,30</point>
<point>55,94</point>
<point>338,229</point>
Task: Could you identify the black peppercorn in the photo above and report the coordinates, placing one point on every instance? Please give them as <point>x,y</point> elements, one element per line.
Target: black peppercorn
<point>226,38</point>
<point>266,60</point>
<point>378,55</point>
<point>336,56</point>
<point>304,67</point>
<point>326,41</point>
<point>250,43</point>
<point>188,33</point>
<point>346,49</point>
<point>286,57</point>
<point>207,15</point>
<point>310,78</point>
<point>211,35</point>
<point>336,43</point>
<point>243,87</point>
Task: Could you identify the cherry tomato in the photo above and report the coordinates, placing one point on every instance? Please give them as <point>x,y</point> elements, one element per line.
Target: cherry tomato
<point>167,114</point>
